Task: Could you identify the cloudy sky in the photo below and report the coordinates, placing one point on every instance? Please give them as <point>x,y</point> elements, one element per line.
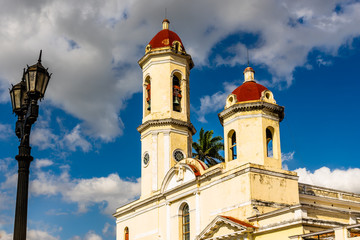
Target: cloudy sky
<point>85,145</point>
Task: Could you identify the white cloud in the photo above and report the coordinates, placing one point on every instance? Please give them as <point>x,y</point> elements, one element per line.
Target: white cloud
<point>322,62</point>
<point>31,235</point>
<point>109,229</point>
<point>8,169</point>
<point>6,130</point>
<point>287,156</point>
<point>92,46</point>
<point>74,140</point>
<point>39,163</point>
<point>4,164</point>
<point>107,192</point>
<point>10,182</point>
<point>215,102</point>
<point>5,202</point>
<point>111,190</point>
<point>336,179</point>
<point>106,228</point>
<point>5,236</point>
<point>92,236</point>
<point>43,137</point>
<point>40,235</point>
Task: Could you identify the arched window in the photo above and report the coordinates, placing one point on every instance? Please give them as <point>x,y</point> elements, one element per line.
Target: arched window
<point>126,233</point>
<point>176,94</point>
<point>269,143</point>
<point>185,222</point>
<point>232,145</point>
<point>147,95</point>
<point>148,98</point>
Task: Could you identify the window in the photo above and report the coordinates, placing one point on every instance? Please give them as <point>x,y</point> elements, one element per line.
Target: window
<point>185,223</point>
<point>126,233</point>
<point>232,145</point>
<point>148,98</point>
<point>269,143</point>
<point>176,94</point>
<point>147,93</point>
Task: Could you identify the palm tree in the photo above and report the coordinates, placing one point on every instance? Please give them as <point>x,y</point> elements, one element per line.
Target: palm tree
<point>207,148</point>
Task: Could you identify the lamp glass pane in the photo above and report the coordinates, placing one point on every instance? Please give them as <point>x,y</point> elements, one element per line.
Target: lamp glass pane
<point>17,98</point>
<point>16,95</point>
<point>26,75</point>
<point>40,82</point>
<point>12,99</point>
<point>32,81</point>
<point>46,81</point>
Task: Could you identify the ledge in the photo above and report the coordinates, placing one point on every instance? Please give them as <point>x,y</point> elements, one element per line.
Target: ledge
<point>252,106</point>
<point>167,121</point>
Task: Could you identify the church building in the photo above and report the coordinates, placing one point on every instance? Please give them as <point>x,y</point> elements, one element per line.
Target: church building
<point>249,195</point>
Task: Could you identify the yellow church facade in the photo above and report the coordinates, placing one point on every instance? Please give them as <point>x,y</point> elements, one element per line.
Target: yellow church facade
<point>249,195</point>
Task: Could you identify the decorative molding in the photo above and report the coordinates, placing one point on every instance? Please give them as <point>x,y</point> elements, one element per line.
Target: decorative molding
<point>307,190</point>
<point>164,51</point>
<point>304,221</point>
<point>274,213</point>
<point>163,61</point>
<point>179,175</point>
<point>252,106</point>
<point>252,116</point>
<point>218,222</point>
<point>164,122</point>
<point>165,132</point>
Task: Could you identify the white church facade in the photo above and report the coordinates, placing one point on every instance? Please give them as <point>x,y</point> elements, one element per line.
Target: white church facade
<point>249,195</point>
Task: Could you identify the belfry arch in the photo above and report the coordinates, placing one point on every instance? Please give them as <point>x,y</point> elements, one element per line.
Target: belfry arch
<point>177,91</point>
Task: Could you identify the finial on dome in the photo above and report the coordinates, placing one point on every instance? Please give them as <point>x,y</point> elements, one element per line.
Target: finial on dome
<point>165,24</point>
<point>249,74</point>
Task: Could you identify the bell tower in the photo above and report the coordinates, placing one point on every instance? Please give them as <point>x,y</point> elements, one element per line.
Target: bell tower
<point>166,130</point>
<point>251,121</point>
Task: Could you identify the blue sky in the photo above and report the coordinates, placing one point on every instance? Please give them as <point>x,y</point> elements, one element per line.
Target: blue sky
<point>85,144</point>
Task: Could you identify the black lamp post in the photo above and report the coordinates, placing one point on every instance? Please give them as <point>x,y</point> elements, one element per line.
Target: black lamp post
<point>24,97</point>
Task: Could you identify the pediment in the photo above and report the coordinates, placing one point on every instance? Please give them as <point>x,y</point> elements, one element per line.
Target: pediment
<point>182,173</point>
<point>224,227</point>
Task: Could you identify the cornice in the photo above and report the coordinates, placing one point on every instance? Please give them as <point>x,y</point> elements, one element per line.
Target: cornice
<point>252,106</point>
<point>166,50</point>
<point>164,122</point>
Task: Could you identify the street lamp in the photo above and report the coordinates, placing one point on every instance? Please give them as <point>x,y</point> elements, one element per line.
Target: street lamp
<point>24,96</point>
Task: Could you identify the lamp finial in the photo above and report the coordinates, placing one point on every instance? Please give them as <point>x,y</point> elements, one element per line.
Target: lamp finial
<point>40,56</point>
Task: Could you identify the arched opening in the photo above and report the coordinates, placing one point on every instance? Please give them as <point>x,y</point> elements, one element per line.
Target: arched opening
<point>147,93</point>
<point>177,46</point>
<point>126,233</point>
<point>269,142</point>
<point>185,222</point>
<point>176,94</point>
<point>232,145</point>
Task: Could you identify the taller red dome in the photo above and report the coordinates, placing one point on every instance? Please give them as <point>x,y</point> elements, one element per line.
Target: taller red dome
<point>165,37</point>
<point>249,91</point>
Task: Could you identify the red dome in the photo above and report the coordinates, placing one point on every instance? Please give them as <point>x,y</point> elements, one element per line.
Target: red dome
<point>164,38</point>
<point>249,91</point>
